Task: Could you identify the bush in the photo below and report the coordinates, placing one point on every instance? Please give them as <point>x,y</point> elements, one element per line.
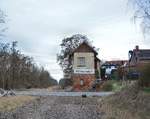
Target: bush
<point>114,75</point>
<point>107,86</point>
<point>144,70</point>
<point>120,73</point>
<point>146,89</point>
<point>64,82</point>
<point>97,74</point>
<point>112,85</point>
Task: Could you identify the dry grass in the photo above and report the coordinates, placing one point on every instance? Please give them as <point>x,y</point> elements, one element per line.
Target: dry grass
<point>11,103</point>
<point>53,88</point>
<point>112,112</point>
<point>131,103</point>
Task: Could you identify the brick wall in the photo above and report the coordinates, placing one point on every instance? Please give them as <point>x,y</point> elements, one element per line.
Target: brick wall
<point>87,81</point>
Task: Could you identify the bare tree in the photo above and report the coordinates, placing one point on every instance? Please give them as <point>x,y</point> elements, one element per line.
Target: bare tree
<point>142,13</point>
<point>2,23</point>
<point>20,71</point>
<point>14,63</point>
<point>4,56</point>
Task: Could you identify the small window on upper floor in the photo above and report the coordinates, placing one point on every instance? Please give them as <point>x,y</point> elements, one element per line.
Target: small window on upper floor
<point>81,62</point>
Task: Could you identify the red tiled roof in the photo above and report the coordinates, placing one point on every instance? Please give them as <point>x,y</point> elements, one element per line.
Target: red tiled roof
<point>92,49</point>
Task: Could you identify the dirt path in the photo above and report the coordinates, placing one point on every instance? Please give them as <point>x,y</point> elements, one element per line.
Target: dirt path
<point>53,107</point>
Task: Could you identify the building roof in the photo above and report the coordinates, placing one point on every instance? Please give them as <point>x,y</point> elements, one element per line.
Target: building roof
<point>141,54</point>
<point>116,62</point>
<point>144,54</point>
<point>90,49</point>
<point>87,45</point>
<point>98,59</point>
<point>137,55</point>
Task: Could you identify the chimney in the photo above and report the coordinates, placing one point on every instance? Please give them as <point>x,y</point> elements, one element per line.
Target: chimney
<point>136,47</point>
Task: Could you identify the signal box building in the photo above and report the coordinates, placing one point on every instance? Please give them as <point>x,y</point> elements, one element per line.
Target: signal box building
<point>86,66</point>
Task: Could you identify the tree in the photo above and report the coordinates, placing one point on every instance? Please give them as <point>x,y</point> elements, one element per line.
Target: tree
<point>14,62</point>
<point>68,45</point>
<point>45,79</point>
<point>20,71</point>
<point>142,12</point>
<point>4,61</point>
<point>2,22</point>
<point>64,82</point>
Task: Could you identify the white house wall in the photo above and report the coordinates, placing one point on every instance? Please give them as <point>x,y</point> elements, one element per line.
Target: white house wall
<point>89,63</point>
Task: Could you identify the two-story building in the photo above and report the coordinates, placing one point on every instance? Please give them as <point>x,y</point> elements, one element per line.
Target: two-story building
<point>139,56</point>
<point>86,66</point>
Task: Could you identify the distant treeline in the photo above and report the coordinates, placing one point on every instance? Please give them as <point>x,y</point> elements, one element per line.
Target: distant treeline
<point>20,71</point>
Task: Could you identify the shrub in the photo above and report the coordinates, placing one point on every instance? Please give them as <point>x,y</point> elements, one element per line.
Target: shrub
<point>112,85</point>
<point>97,74</point>
<point>114,75</point>
<point>144,70</point>
<point>64,82</point>
<point>107,86</point>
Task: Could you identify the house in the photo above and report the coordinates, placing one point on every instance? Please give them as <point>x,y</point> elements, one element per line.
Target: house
<point>117,62</point>
<point>86,66</point>
<point>110,66</point>
<point>139,56</point>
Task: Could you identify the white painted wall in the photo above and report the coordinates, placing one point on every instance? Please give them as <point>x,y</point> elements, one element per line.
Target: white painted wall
<point>89,63</point>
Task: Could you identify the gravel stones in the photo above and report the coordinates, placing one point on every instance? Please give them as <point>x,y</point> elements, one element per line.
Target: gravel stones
<point>54,107</point>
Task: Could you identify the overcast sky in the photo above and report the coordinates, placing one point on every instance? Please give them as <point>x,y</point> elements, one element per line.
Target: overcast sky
<point>40,25</point>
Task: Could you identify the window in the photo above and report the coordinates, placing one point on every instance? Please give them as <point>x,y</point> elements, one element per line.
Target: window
<point>81,61</point>
<point>81,82</point>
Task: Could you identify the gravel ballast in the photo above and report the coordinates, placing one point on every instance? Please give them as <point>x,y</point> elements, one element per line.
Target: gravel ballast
<point>54,107</point>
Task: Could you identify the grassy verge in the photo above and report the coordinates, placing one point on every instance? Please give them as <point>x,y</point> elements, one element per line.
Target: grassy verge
<point>111,111</point>
<point>146,90</point>
<point>112,85</point>
<point>11,103</point>
<point>130,103</point>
